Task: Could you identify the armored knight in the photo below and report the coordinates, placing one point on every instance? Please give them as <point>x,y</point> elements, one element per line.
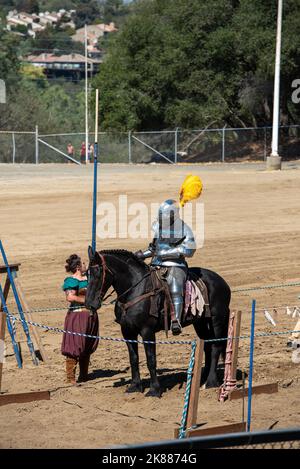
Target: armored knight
<point>173,241</point>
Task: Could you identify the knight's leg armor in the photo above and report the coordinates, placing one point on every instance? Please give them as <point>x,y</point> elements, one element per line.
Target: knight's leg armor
<point>176,280</point>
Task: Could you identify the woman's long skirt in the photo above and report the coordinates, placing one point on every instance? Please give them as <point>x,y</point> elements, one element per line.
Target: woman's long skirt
<point>84,322</point>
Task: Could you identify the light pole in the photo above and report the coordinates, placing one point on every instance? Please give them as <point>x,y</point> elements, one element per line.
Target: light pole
<point>274,160</point>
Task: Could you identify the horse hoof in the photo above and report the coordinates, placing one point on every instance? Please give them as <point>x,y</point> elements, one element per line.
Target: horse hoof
<point>211,384</point>
<point>134,388</point>
<point>153,393</point>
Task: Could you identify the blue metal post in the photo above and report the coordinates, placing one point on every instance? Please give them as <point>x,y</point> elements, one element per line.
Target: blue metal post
<point>94,230</point>
<point>19,306</point>
<point>95,197</point>
<point>10,329</point>
<point>252,338</point>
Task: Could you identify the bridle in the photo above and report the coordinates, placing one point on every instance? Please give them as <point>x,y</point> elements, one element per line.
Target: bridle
<point>107,269</point>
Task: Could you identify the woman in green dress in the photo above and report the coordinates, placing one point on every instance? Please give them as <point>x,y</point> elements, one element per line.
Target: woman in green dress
<point>77,349</point>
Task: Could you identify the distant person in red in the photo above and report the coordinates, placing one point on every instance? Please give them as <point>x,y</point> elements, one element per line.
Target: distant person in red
<point>82,153</point>
<point>70,150</point>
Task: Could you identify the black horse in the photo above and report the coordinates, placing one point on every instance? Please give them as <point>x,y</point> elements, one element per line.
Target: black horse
<point>130,278</point>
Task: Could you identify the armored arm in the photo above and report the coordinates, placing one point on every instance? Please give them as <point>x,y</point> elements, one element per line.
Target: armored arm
<point>176,252</point>
<point>185,247</point>
<point>188,247</point>
<point>148,252</point>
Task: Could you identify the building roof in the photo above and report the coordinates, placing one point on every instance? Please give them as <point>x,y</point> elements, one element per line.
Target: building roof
<point>66,58</point>
<point>94,31</point>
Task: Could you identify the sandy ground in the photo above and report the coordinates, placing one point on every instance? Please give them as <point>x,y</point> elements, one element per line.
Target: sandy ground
<point>252,233</point>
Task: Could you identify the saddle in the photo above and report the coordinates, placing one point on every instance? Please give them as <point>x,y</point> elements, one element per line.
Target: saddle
<point>196,302</point>
<point>195,299</point>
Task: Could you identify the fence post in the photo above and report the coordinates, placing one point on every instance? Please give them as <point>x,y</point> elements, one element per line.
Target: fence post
<point>265,143</point>
<point>176,144</point>
<point>129,147</point>
<point>252,338</point>
<point>36,144</point>
<point>223,144</point>
<point>14,148</point>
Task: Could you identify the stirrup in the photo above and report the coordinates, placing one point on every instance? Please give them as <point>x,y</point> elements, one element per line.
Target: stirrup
<point>176,327</point>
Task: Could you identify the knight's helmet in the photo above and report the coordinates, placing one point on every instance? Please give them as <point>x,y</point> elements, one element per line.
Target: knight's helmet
<point>168,213</point>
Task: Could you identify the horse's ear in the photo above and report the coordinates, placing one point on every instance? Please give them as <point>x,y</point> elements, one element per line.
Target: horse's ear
<point>91,253</point>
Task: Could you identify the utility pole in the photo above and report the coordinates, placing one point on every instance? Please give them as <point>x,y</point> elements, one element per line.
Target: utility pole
<point>86,98</point>
<point>274,161</point>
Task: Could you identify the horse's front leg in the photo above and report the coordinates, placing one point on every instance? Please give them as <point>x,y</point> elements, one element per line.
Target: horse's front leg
<point>150,350</point>
<point>136,385</point>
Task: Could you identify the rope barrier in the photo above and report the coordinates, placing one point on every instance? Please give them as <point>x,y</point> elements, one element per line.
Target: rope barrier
<point>65,308</point>
<point>236,290</point>
<point>266,287</point>
<point>162,342</point>
<point>187,392</point>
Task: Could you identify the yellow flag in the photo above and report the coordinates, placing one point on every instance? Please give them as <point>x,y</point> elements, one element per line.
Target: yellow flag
<point>191,189</point>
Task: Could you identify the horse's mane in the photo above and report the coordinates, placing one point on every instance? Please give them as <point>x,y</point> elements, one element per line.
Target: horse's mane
<point>125,254</point>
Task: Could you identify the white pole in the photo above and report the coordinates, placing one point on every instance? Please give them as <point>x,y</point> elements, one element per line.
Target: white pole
<point>276,104</point>
<point>129,147</point>
<point>86,99</point>
<point>176,144</point>
<point>96,116</point>
<point>223,144</point>
<point>36,144</point>
<point>14,148</point>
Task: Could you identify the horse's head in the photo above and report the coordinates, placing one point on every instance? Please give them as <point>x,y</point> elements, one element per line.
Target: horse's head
<point>99,280</point>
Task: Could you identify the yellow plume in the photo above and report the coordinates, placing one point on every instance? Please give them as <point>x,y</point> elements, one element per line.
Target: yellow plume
<point>191,189</point>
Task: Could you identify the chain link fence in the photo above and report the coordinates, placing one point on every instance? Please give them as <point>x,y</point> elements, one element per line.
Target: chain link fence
<point>17,147</point>
<point>113,147</point>
<point>268,439</point>
<point>293,444</point>
<point>176,146</point>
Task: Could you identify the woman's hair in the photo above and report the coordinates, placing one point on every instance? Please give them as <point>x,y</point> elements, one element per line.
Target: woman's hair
<point>72,263</point>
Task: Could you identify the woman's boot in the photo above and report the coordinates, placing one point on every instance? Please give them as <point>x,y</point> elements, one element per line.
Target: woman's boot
<point>70,369</point>
<point>83,368</point>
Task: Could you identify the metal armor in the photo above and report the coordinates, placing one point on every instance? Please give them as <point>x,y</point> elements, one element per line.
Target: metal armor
<point>173,241</point>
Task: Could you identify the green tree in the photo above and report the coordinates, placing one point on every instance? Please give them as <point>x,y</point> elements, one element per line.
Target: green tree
<point>9,61</point>
<point>29,6</point>
<point>194,63</point>
<point>87,11</point>
<point>50,39</point>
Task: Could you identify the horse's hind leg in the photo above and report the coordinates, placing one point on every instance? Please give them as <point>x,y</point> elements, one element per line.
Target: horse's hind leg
<point>200,327</point>
<point>212,379</point>
<point>206,369</point>
<point>150,350</point>
<point>136,385</point>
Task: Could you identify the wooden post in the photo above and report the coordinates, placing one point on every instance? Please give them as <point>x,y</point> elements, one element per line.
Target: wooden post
<point>2,314</point>
<point>26,309</point>
<point>24,397</point>
<point>235,345</point>
<point>195,387</point>
<point>3,324</point>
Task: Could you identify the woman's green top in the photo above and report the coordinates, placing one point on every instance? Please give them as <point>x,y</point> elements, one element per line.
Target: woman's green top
<point>71,283</point>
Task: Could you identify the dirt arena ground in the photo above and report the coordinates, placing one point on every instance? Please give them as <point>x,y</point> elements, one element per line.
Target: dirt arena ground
<point>252,237</point>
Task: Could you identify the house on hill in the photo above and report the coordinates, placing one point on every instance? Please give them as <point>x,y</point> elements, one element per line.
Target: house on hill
<point>32,23</point>
<point>68,66</point>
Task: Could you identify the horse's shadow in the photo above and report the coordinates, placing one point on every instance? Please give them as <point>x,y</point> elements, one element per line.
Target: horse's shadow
<point>97,374</point>
<point>170,378</point>
<point>174,377</point>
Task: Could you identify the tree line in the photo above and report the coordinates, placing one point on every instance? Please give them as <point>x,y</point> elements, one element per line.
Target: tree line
<point>194,63</point>
<point>174,63</point>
